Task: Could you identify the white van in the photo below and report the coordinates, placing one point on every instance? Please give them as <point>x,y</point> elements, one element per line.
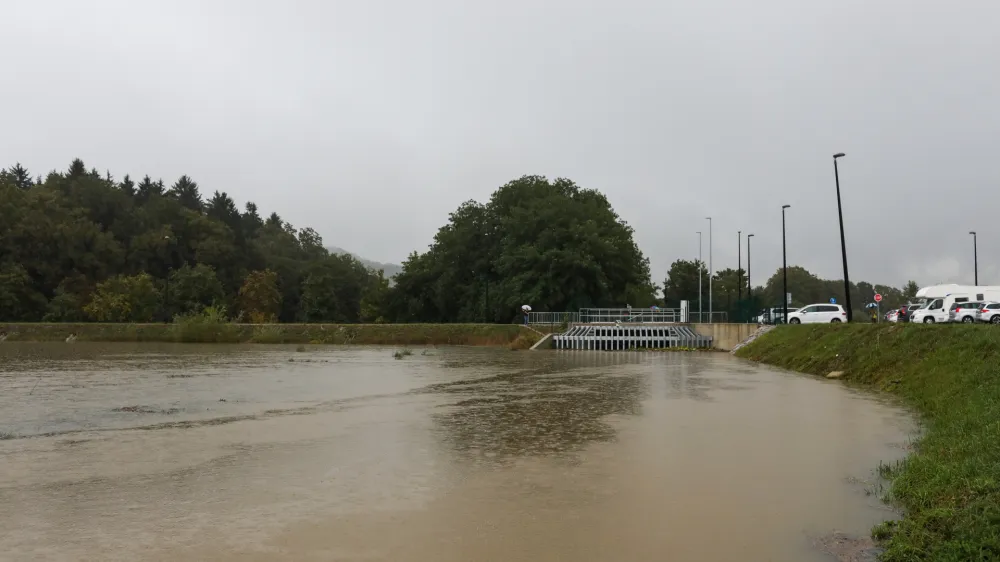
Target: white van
<point>940,298</point>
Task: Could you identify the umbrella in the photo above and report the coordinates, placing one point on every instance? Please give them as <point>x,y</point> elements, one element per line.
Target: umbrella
<point>526,308</point>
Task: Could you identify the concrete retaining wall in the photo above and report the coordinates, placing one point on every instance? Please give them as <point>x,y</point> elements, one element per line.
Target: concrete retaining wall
<point>725,336</point>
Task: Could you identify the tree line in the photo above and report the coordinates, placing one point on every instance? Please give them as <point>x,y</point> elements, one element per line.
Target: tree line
<point>732,293</point>
<point>82,246</point>
<point>79,245</point>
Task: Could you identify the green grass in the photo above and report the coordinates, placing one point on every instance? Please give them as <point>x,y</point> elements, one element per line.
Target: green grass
<point>949,488</point>
<point>197,331</point>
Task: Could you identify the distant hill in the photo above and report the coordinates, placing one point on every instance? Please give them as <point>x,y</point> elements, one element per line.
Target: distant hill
<point>389,269</point>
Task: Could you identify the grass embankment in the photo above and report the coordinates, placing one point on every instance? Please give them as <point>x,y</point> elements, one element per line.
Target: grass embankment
<point>949,487</point>
<point>216,332</point>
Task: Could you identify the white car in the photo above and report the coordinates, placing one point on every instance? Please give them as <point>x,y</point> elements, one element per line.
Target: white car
<point>818,314</point>
<point>990,312</point>
<point>964,312</point>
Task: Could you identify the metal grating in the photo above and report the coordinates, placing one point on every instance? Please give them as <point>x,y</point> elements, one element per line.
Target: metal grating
<point>623,337</point>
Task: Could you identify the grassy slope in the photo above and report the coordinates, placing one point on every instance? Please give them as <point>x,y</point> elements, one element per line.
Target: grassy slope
<point>949,487</point>
<point>368,334</point>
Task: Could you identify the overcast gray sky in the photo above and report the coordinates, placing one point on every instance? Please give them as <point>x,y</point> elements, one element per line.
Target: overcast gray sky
<point>372,120</point>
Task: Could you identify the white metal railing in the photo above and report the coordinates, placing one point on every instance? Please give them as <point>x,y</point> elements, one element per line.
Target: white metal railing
<point>610,315</point>
<point>708,317</point>
<point>553,318</point>
<point>623,315</point>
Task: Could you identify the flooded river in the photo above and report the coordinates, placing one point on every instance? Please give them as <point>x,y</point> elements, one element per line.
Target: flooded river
<point>183,452</point>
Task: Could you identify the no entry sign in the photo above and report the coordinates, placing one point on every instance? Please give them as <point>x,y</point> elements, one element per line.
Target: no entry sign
<point>878,297</point>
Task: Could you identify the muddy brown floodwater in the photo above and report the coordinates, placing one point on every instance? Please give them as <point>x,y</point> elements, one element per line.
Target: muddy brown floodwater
<point>184,452</point>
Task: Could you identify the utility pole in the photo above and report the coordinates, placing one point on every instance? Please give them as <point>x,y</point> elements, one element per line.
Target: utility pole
<point>710,319</point>
<point>975,257</point>
<point>700,318</point>
<point>749,284</point>
<point>784,265</point>
<point>739,267</point>
<point>843,244</point>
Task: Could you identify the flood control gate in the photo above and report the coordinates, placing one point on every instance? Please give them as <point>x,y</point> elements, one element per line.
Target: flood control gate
<point>621,338</point>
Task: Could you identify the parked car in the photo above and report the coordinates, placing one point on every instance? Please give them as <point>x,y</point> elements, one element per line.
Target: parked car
<point>818,313</point>
<point>774,315</point>
<point>932,313</point>
<point>906,311</point>
<point>892,316</point>
<point>989,312</point>
<point>964,312</point>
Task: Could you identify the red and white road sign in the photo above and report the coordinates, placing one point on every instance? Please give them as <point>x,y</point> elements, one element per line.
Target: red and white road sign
<point>878,297</point>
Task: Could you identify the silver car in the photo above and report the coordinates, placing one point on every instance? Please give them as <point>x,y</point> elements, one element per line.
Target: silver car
<point>964,312</point>
<point>989,312</point>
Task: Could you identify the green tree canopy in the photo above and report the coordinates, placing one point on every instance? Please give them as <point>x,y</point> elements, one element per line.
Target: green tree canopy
<point>125,299</point>
<point>682,283</point>
<point>550,244</point>
<point>260,298</point>
<point>63,237</point>
<point>192,289</point>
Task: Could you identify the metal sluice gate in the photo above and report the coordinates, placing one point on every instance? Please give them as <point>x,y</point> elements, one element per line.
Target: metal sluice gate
<point>623,338</point>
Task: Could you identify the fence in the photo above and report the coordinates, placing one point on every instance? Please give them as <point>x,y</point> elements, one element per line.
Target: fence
<point>709,317</point>
<point>606,316</point>
<point>553,318</point>
<point>625,315</point>
<point>611,315</point>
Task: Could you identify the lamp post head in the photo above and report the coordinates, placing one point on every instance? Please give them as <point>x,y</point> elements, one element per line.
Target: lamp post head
<point>839,155</point>
<point>750,235</point>
<point>972,232</point>
<point>785,206</point>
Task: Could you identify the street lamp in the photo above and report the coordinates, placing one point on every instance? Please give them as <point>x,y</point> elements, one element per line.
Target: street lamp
<point>749,285</point>
<point>709,269</point>
<point>784,263</point>
<point>975,256</point>
<point>700,319</point>
<point>843,244</point>
<point>739,265</point>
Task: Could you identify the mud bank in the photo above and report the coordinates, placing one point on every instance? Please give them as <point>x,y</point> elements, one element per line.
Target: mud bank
<point>948,489</point>
<point>497,335</point>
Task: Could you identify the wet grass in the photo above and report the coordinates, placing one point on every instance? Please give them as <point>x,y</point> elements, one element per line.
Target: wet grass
<point>5,435</point>
<point>496,335</point>
<point>948,488</point>
<point>524,340</point>
<point>402,353</point>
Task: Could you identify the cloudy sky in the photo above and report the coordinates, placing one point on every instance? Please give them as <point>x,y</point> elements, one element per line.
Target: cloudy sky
<point>372,120</point>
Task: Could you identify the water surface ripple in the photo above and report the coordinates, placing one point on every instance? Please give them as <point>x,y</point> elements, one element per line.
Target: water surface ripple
<point>189,452</point>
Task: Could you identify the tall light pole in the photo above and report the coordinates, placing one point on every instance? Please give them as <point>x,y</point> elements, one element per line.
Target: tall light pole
<point>739,265</point>
<point>843,244</point>
<point>784,265</point>
<point>749,285</point>
<point>709,269</point>
<point>975,256</point>
<point>700,319</point>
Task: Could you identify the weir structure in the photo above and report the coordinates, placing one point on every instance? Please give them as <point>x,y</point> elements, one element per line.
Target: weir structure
<point>620,329</point>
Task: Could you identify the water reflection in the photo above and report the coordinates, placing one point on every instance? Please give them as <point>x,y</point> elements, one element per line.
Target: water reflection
<point>539,412</point>
<point>449,456</point>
